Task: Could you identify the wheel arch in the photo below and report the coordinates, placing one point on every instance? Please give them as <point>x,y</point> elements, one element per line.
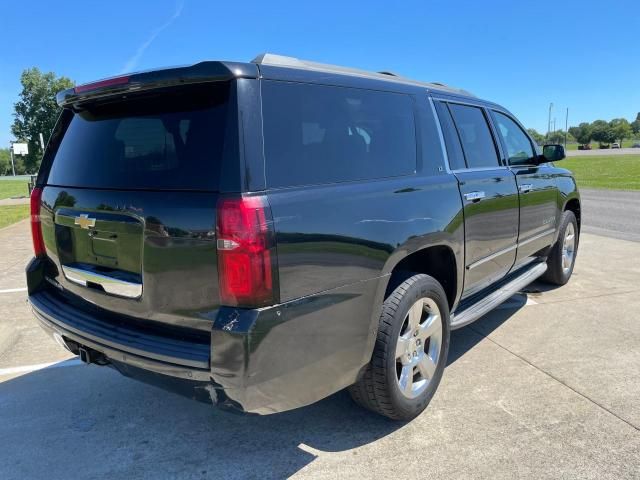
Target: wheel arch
<point>573,205</point>
<point>437,261</point>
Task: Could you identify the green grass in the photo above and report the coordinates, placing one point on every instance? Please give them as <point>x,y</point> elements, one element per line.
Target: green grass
<point>13,188</point>
<point>617,172</point>
<point>13,213</point>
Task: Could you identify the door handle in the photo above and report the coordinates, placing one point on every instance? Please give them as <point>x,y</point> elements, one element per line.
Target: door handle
<point>526,188</point>
<point>474,196</point>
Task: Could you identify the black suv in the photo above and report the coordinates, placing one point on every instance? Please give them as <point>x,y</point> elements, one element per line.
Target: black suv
<point>261,235</point>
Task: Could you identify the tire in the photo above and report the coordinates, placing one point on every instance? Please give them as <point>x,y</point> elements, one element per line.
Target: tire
<point>559,265</point>
<point>379,388</point>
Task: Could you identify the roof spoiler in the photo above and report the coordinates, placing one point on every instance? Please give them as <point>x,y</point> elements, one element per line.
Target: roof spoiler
<point>135,82</point>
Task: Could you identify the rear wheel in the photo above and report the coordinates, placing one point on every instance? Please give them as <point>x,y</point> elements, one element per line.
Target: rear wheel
<point>562,257</point>
<point>410,352</point>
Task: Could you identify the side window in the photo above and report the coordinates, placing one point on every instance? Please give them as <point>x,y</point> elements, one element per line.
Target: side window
<point>518,145</point>
<point>316,134</point>
<point>475,136</point>
<point>454,150</point>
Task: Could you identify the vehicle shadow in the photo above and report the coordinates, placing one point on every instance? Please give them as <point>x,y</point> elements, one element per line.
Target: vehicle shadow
<point>90,419</point>
<point>466,338</point>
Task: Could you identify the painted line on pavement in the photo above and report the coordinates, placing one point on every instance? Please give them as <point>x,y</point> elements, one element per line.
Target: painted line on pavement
<point>74,362</point>
<point>13,290</point>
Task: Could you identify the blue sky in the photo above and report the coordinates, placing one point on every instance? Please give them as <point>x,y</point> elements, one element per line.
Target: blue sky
<point>584,55</point>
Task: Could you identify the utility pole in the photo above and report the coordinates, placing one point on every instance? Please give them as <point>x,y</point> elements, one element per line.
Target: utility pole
<point>566,128</point>
<point>13,167</point>
<point>549,121</point>
<point>41,141</point>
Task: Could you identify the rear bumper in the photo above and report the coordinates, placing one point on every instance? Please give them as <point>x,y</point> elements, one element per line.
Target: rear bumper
<point>257,361</point>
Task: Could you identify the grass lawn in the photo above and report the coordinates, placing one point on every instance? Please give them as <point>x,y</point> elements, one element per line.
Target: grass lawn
<point>13,188</point>
<point>13,213</point>
<point>617,172</point>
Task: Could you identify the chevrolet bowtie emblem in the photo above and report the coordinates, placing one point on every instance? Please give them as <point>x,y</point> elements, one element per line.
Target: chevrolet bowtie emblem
<point>84,221</point>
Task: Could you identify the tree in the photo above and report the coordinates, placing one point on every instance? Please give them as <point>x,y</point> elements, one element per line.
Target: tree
<point>37,111</point>
<point>5,161</point>
<point>537,137</point>
<point>602,132</point>
<point>635,125</point>
<point>583,133</point>
<point>620,129</point>
<point>556,137</point>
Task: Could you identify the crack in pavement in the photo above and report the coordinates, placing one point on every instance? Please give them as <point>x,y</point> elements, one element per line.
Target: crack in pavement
<point>558,380</point>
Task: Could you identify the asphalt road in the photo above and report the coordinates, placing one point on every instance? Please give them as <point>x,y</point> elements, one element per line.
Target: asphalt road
<point>547,386</point>
<point>611,213</point>
<point>608,151</point>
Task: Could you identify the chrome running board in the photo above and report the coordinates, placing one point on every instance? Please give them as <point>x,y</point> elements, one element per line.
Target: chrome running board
<point>492,300</point>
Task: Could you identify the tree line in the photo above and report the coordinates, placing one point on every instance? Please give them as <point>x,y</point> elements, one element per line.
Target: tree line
<point>606,133</point>
<point>601,131</point>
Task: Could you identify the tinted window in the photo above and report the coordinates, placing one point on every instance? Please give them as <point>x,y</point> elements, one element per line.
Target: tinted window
<point>318,134</point>
<point>519,149</point>
<point>169,141</point>
<point>475,136</point>
<point>454,150</point>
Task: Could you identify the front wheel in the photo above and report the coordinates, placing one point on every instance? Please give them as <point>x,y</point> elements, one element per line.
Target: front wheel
<point>410,352</point>
<point>562,257</point>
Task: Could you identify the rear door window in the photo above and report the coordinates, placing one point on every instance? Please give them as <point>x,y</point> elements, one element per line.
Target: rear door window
<point>169,140</point>
<point>315,134</point>
<point>475,136</point>
<point>451,140</point>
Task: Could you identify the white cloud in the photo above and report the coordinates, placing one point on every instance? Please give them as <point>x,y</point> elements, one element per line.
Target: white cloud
<point>133,61</point>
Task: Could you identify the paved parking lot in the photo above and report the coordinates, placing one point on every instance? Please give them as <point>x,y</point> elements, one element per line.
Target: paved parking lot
<point>607,151</point>
<point>548,386</point>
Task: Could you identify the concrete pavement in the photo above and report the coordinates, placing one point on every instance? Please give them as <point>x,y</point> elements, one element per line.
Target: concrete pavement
<point>545,387</point>
<point>14,201</point>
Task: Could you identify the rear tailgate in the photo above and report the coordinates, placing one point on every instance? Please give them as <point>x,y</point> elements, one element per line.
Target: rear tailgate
<point>129,202</point>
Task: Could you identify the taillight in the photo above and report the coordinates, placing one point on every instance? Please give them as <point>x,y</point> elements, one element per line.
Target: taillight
<point>36,226</point>
<point>245,245</point>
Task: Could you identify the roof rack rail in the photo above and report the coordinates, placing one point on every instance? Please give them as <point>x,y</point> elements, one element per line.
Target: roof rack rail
<point>293,62</point>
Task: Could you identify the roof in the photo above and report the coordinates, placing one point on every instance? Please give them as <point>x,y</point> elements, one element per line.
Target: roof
<point>292,62</point>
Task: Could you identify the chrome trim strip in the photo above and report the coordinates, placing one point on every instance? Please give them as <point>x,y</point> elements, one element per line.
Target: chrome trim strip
<point>492,256</point>
<point>111,285</point>
<point>479,169</point>
<point>466,101</point>
<point>495,298</point>
<point>443,146</point>
<point>512,247</point>
<point>536,237</point>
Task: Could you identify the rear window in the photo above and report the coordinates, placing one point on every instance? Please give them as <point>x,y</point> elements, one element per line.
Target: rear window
<point>169,140</point>
<point>475,136</point>
<point>316,134</point>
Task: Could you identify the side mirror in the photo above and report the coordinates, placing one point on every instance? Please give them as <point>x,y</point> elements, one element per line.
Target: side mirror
<point>552,153</point>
